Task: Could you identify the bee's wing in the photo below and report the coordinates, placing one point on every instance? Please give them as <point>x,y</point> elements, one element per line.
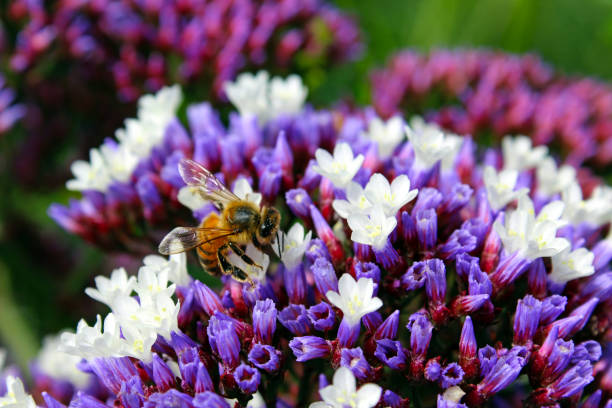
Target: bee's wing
<point>183,239</point>
<point>209,187</point>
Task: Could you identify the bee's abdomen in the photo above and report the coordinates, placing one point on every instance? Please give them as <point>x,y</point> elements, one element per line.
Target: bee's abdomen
<point>208,260</point>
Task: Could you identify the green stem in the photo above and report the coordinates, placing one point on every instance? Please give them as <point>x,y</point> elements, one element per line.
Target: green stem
<point>14,330</point>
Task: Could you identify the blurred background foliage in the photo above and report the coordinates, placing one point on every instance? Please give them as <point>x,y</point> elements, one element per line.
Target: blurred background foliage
<point>42,280</point>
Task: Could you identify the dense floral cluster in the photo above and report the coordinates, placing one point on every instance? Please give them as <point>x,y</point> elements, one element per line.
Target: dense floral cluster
<point>486,93</point>
<point>146,45</point>
<point>440,274</point>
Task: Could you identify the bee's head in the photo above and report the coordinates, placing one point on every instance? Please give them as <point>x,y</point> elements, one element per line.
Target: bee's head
<point>270,220</point>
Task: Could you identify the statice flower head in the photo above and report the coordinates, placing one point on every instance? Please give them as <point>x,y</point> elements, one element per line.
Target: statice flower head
<point>440,273</point>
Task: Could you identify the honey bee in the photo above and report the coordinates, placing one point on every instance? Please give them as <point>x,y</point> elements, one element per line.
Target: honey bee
<point>239,223</point>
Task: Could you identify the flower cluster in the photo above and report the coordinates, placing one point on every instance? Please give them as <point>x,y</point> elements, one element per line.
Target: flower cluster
<point>145,45</point>
<point>411,271</point>
<point>483,92</point>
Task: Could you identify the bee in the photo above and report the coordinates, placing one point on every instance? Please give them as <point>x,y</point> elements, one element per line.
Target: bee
<point>238,223</point>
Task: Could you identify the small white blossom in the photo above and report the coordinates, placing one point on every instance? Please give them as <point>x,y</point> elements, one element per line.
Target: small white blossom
<point>243,190</point>
<point>15,396</point>
<point>387,135</point>
<point>453,394</point>
<point>339,168</point>
<point>552,180</point>
<point>259,96</point>
<point>190,198</point>
<point>344,393</point>
<point>373,228</point>
<point>500,187</point>
<point>160,108</point>
<point>120,161</point>
<point>392,196</point>
<point>287,96</point>
<point>294,245</point>
<point>596,210</point>
<point>417,124</point>
<point>60,365</point>
<point>134,323</point>
<point>249,93</point>
<point>92,175</point>
<point>138,137</point>
<point>256,402</point>
<point>523,233</point>
<point>567,266</point>
<point>354,298</point>
<point>356,201</point>
<point>519,154</point>
<point>107,290</point>
<point>431,145</point>
<point>552,211</point>
<point>176,266</point>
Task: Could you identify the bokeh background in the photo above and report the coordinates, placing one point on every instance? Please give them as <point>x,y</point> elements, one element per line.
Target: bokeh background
<point>43,270</point>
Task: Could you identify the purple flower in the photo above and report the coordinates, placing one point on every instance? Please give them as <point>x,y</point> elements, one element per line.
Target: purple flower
<point>526,319</point>
<point>247,378</point>
<point>391,353</point>
<point>322,316</point>
<point>433,369</point>
<point>162,375</point>
<point>223,339</point>
<point>420,333</point>
<point>461,241</point>
<point>552,307</point>
<point>207,299</point>
<point>295,319</point>
<point>388,328</point>
<point>299,202</point>
<point>354,360</point>
<point>368,270</point>
<point>265,357</point>
<point>504,371</point>
<point>308,347</point>
<point>209,399</point>
<point>324,276</point>
<point>264,320</point>
<point>426,226</point>
<point>451,375</point>
<point>414,278</point>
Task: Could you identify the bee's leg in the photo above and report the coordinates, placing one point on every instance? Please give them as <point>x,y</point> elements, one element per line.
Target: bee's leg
<point>228,268</point>
<point>247,259</point>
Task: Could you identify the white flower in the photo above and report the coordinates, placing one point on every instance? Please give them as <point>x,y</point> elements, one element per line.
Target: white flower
<point>354,298</point>
<point>552,211</point>
<point>373,228</point>
<point>133,324</point>
<point>356,201</point>
<point>259,96</point>
<point>341,168</point>
<point>519,154</point>
<point>390,197</point>
<point>249,94</point>
<point>287,96</point>
<point>190,198</point>
<point>533,239</point>
<point>160,108</point>
<point>60,365</point>
<point>431,145</point>
<point>256,402</point>
<point>552,180</point>
<point>139,137</point>
<point>344,393</point>
<point>15,396</point>
<point>243,190</point>
<point>92,175</point>
<point>294,245</point>
<point>107,290</point>
<point>120,161</point>
<point>255,273</point>
<point>596,210</point>
<point>500,187</point>
<point>387,135</point>
<point>417,124</point>
<point>176,267</point>
<point>567,265</point>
